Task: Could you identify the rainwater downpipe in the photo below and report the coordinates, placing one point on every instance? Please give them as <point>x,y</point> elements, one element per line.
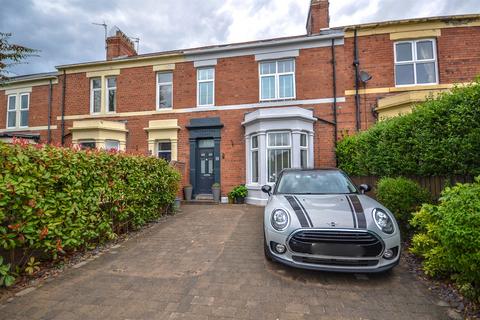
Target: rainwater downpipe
<point>356,63</point>
<point>334,80</point>
<point>49,120</point>
<point>64,86</point>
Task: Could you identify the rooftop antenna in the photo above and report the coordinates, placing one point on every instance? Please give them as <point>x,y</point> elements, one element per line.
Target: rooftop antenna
<point>137,41</point>
<point>104,25</point>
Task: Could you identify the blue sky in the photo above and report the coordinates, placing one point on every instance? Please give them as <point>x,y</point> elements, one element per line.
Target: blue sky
<point>63,29</point>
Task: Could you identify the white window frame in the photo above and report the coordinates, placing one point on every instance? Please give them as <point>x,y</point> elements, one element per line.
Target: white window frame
<point>112,140</point>
<point>92,94</point>
<point>268,148</point>
<point>414,61</point>
<point>107,94</point>
<point>277,80</point>
<point>159,84</point>
<point>164,151</point>
<point>87,141</point>
<point>203,81</point>
<point>18,110</point>
<point>305,147</point>
<point>252,150</point>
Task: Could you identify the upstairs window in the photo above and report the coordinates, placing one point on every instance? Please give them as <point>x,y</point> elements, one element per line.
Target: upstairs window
<point>17,110</point>
<point>416,62</point>
<point>205,87</point>
<point>277,80</point>
<point>111,94</point>
<point>164,90</point>
<point>95,95</point>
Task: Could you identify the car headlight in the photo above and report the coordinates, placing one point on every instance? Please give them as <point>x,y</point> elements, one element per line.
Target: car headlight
<point>280,219</point>
<point>383,221</point>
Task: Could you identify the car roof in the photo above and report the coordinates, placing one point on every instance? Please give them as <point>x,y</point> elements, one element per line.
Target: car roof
<point>311,169</point>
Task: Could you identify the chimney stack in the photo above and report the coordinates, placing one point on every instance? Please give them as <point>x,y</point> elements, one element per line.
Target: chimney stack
<point>119,45</point>
<point>318,17</point>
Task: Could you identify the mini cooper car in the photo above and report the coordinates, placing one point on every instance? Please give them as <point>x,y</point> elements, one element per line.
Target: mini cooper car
<point>318,219</point>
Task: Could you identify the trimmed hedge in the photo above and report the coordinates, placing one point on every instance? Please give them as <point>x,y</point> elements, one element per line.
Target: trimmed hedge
<point>54,200</point>
<point>449,237</point>
<point>440,137</point>
<point>403,197</point>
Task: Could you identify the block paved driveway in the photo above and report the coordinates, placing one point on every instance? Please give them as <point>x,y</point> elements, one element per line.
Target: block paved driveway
<point>207,263</point>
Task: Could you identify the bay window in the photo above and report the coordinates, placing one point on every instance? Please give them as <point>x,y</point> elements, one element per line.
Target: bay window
<point>278,153</point>
<point>254,159</point>
<point>277,80</point>
<point>112,145</point>
<point>205,87</point>
<point>165,150</point>
<point>303,151</point>
<point>415,62</point>
<point>18,106</point>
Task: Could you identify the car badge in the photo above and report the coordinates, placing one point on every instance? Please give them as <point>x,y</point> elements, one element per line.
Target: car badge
<point>332,224</point>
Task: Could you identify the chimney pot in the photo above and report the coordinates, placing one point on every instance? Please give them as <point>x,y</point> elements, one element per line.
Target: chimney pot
<point>119,45</point>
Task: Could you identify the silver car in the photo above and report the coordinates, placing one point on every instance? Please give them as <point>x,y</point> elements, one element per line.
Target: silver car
<point>317,219</point>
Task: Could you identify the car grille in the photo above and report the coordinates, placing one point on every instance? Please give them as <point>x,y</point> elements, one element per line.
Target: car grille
<point>336,262</point>
<point>336,243</point>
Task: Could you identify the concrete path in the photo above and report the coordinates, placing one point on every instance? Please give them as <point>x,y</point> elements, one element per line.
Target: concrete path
<point>207,263</point>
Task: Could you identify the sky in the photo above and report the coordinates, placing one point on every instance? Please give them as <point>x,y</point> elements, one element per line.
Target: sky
<point>64,32</point>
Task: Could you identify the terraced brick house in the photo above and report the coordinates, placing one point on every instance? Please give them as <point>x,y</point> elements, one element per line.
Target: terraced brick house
<point>240,113</point>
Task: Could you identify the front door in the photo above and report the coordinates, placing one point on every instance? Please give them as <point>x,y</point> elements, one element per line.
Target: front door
<point>205,175</point>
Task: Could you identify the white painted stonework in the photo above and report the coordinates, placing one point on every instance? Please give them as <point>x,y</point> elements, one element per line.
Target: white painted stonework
<point>294,120</point>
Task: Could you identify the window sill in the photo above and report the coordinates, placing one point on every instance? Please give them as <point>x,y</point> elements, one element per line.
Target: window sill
<point>425,86</point>
<point>277,100</point>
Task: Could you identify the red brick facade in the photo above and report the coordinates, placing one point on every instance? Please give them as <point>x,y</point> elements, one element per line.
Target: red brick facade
<point>237,83</point>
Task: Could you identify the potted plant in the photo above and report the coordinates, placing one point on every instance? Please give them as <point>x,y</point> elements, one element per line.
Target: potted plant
<point>187,189</point>
<point>238,193</point>
<point>216,192</point>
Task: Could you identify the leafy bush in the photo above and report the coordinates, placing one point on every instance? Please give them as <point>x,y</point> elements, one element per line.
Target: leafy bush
<point>449,237</point>
<point>403,197</point>
<point>440,137</point>
<point>55,200</point>
<point>239,191</point>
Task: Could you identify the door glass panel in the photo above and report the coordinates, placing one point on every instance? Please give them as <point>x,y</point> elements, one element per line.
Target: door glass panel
<point>210,166</point>
<point>206,143</point>
<point>202,165</point>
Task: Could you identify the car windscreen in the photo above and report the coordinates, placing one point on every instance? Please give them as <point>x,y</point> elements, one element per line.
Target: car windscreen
<point>315,182</point>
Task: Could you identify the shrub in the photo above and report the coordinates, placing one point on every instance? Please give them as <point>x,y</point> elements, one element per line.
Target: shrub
<point>55,200</point>
<point>239,191</point>
<point>402,196</point>
<point>440,137</point>
<point>449,237</point>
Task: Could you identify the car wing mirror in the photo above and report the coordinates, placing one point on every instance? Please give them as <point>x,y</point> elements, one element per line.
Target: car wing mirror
<point>267,189</point>
<point>364,188</point>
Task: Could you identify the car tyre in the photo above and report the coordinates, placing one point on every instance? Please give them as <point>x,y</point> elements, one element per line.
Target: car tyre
<point>266,250</point>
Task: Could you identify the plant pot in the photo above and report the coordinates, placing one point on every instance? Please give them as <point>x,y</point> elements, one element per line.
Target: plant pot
<point>231,200</point>
<point>239,200</point>
<point>188,192</point>
<point>216,194</point>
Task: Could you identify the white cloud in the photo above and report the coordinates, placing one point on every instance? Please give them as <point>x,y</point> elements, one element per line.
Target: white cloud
<point>63,30</point>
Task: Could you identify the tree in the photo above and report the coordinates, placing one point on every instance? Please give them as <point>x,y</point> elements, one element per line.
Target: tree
<point>12,54</point>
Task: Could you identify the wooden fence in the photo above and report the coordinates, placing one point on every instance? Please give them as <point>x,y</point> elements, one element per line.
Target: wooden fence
<point>434,184</point>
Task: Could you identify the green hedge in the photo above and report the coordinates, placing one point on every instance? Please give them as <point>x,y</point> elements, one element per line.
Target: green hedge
<point>440,137</point>
<point>403,197</point>
<point>54,200</point>
<point>449,237</point>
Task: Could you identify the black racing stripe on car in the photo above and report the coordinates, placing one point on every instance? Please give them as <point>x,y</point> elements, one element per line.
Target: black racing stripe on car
<point>357,206</point>
<point>353,212</point>
<point>298,211</point>
<point>305,212</point>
